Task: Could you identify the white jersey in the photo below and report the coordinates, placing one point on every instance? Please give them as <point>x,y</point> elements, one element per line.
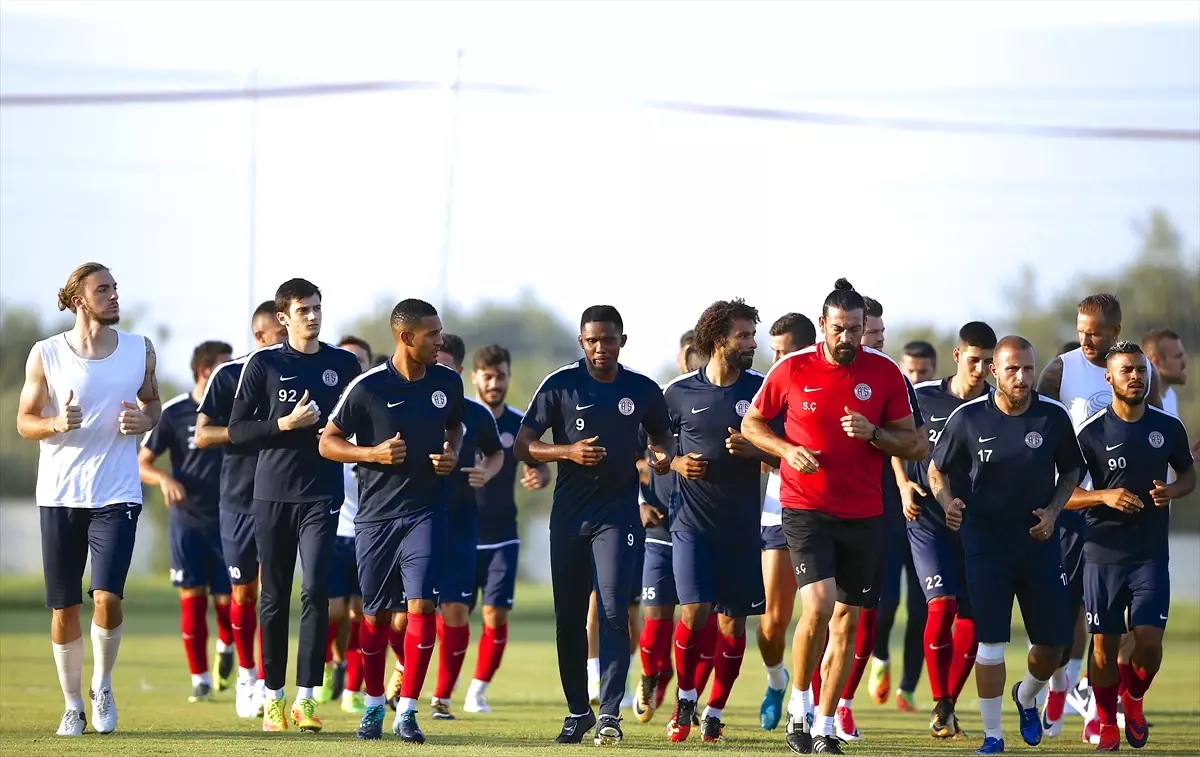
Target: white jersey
<point>94,465</point>
<point>1170,402</point>
<point>1084,390</point>
<point>345,526</point>
<point>772,511</point>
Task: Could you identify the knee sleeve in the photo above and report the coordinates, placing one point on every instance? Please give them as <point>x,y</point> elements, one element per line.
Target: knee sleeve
<point>990,654</point>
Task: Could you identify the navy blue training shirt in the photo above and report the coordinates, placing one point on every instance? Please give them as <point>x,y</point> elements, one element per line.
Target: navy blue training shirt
<point>662,493</point>
<point>197,470</point>
<point>1122,455</point>
<point>496,501</point>
<point>274,379</point>
<point>240,460</point>
<point>934,400</point>
<point>1003,467</point>
<point>726,502</point>
<point>382,403</point>
<point>480,435</point>
<point>575,407</point>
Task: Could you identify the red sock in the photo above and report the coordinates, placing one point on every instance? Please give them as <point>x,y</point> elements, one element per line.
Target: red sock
<point>727,663</point>
<point>418,649</point>
<point>194,625</point>
<point>224,622</point>
<point>396,638</point>
<point>687,654</point>
<point>243,619</point>
<point>662,648</point>
<point>491,650</point>
<point>864,643</point>
<point>966,644</point>
<point>262,669</point>
<point>708,650</point>
<point>649,654</point>
<point>1139,682</point>
<point>331,633</point>
<point>454,641</point>
<point>354,658</point>
<point>939,645</point>
<point>1126,671</point>
<point>374,643</point>
<point>1106,704</point>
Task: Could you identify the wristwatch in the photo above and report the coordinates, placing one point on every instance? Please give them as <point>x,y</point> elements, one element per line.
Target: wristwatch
<point>875,433</point>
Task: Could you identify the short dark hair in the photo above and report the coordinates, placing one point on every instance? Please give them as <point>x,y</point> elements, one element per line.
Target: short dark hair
<point>844,298</point>
<point>872,308</point>
<point>977,334</point>
<point>411,312</point>
<point>1104,305</point>
<point>491,356</point>
<point>716,322</point>
<point>921,351</point>
<point>266,308</point>
<point>602,314</point>
<point>356,342</point>
<point>453,345</point>
<point>688,337</point>
<point>292,290</point>
<point>1124,347</point>
<point>1069,347</point>
<point>799,326</point>
<point>692,359</point>
<point>1014,342</point>
<point>205,355</point>
<point>1154,336</point>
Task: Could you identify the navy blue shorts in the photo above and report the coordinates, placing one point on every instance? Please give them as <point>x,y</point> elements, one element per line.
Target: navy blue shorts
<point>1071,543</point>
<point>1039,585</point>
<point>70,533</point>
<point>197,561</point>
<point>726,573</point>
<point>457,582</point>
<point>658,576</point>
<point>773,538</point>
<point>496,575</point>
<point>1110,591</point>
<point>343,569</point>
<point>239,547</point>
<point>937,555</point>
<point>399,560</point>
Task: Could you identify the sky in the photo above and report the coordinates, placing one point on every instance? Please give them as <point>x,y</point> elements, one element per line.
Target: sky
<point>586,196</point>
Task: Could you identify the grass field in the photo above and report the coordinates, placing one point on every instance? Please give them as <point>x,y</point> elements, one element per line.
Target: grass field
<point>152,686</point>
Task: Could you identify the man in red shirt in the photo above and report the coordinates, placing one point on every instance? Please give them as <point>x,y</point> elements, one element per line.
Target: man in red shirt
<point>844,409</point>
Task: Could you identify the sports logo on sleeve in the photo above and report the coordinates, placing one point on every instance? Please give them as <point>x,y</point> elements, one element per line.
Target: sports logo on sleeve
<point>626,406</point>
<point>439,399</point>
<point>863,392</point>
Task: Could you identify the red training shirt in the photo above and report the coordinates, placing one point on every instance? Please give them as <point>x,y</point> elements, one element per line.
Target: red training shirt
<point>814,394</point>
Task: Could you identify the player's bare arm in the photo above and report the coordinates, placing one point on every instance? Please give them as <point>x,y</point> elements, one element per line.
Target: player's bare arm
<point>334,446</point>
<point>485,469</point>
<point>1184,484</point>
<point>660,461</point>
<point>1050,382</point>
<point>940,488</point>
<point>908,490</point>
<point>35,395</point>
<point>1122,500</point>
<point>173,491</point>
<point>898,438</point>
<point>1155,392</point>
<point>1068,481</point>
<point>446,461</point>
<point>535,477</point>
<point>739,446</point>
<point>140,418</point>
<point>528,448</point>
<point>209,434</point>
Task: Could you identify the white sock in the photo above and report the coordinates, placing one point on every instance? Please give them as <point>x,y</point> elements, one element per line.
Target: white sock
<point>776,676</point>
<point>991,710</point>
<point>202,678</point>
<point>247,675</point>
<point>260,688</point>
<point>823,726</point>
<point>68,658</point>
<point>800,704</point>
<point>304,692</point>
<point>847,703</point>
<point>106,642</point>
<point>688,694</point>
<point>1073,668</point>
<point>406,705</point>
<point>1029,689</point>
<point>1058,681</point>
<point>376,701</point>
<point>222,646</point>
<point>274,693</point>
<point>710,712</point>
<point>477,687</point>
<point>593,666</point>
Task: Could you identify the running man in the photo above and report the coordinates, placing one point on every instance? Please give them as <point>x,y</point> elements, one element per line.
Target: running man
<point>845,408</point>
<point>282,393</point>
<point>89,393</point>
<point>191,492</point>
<point>1128,448</point>
<point>235,513</point>
<point>596,407</point>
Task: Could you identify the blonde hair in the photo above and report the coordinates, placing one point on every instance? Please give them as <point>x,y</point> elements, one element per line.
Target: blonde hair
<point>74,285</point>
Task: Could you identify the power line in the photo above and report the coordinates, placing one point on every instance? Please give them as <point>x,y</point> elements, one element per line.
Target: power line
<point>757,113</point>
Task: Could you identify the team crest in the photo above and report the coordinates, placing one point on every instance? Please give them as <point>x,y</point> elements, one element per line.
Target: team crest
<point>626,406</point>
<point>741,407</point>
<point>439,398</point>
<point>863,392</point>
<point>506,440</point>
<point>1033,440</point>
<point>1156,440</point>
<point>330,378</point>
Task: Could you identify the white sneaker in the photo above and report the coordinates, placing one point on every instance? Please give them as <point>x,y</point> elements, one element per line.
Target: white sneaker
<point>104,711</point>
<point>475,701</point>
<point>245,703</point>
<point>72,723</point>
<point>260,700</point>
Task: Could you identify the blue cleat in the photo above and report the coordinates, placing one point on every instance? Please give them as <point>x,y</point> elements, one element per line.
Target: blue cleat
<point>1031,721</point>
<point>371,727</point>
<point>771,711</point>
<point>991,745</point>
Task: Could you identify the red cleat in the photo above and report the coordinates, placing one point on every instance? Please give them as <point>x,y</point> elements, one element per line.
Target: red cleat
<point>1110,738</point>
<point>1091,732</point>
<point>1056,702</point>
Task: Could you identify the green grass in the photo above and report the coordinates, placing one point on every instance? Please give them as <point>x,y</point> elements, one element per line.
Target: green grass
<point>152,685</point>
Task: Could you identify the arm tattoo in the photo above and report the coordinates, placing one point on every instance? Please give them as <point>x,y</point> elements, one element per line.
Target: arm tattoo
<point>1050,382</point>
<point>149,389</point>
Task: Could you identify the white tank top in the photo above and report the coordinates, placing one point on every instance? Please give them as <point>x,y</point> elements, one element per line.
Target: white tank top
<point>1084,390</point>
<point>1170,401</point>
<point>345,526</point>
<point>94,465</point>
<point>772,512</point>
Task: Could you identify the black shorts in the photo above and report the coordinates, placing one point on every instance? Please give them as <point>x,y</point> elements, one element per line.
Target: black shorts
<point>848,550</point>
<point>69,534</point>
